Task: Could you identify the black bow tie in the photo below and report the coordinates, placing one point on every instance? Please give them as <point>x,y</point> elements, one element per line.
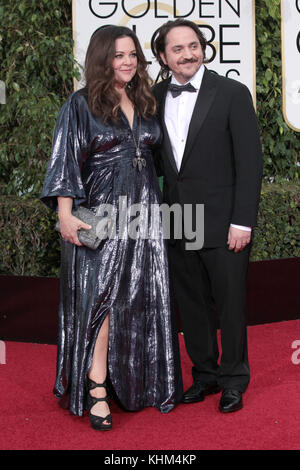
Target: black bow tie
<point>176,90</point>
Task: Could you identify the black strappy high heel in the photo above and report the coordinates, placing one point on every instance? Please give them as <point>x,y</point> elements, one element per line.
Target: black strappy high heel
<point>97,422</point>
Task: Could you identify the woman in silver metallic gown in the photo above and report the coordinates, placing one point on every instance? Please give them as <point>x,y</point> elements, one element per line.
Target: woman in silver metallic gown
<point>115,315</point>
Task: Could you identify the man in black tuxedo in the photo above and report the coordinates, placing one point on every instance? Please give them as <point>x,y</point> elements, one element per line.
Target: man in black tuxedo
<point>211,155</point>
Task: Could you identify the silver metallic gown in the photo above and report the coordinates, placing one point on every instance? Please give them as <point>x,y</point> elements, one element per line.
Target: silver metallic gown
<point>127,279</point>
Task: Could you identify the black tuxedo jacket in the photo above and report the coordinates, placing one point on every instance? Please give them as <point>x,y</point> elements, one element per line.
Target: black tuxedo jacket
<point>222,162</point>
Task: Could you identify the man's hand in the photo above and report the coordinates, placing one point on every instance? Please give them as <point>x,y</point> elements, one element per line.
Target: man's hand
<point>238,239</point>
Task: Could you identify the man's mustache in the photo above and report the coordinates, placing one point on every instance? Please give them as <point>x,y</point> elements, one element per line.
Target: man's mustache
<point>188,61</point>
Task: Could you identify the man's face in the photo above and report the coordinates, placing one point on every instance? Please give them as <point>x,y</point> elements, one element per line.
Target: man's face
<point>183,53</point>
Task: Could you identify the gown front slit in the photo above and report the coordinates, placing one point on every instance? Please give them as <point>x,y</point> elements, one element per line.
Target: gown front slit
<point>126,277</point>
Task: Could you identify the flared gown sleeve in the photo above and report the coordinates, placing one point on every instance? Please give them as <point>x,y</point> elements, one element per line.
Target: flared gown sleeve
<point>63,176</point>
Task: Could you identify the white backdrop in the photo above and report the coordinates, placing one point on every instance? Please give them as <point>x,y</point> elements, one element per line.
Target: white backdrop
<point>290,41</point>
<point>228,25</point>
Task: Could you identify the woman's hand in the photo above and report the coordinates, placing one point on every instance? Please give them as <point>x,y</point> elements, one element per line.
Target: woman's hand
<point>69,225</point>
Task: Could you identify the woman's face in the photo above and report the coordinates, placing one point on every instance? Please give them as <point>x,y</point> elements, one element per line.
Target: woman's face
<point>125,61</point>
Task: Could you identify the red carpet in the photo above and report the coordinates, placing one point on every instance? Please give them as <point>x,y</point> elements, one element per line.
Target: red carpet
<point>31,419</point>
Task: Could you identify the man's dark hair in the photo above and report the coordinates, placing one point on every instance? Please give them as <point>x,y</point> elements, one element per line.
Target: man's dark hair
<point>159,41</point>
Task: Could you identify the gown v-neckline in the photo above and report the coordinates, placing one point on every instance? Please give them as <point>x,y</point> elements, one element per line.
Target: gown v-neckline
<point>127,120</point>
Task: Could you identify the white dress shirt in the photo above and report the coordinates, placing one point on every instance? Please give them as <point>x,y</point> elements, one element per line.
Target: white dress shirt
<point>178,114</point>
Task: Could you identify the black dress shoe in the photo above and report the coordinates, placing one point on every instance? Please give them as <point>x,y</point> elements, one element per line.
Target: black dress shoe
<point>197,392</point>
<point>231,400</point>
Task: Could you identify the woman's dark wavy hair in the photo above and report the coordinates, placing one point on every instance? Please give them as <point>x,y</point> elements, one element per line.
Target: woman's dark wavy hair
<point>159,43</point>
<point>103,99</point>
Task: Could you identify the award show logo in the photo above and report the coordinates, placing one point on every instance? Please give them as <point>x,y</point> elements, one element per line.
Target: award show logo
<point>290,49</point>
<point>228,25</point>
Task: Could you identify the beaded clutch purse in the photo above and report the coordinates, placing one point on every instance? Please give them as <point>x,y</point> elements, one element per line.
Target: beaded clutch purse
<point>93,237</point>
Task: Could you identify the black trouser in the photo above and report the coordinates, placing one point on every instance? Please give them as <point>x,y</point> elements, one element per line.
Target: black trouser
<point>199,277</point>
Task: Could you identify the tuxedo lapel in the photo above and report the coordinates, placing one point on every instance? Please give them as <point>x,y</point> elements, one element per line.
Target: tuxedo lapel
<point>166,146</point>
<point>204,101</point>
